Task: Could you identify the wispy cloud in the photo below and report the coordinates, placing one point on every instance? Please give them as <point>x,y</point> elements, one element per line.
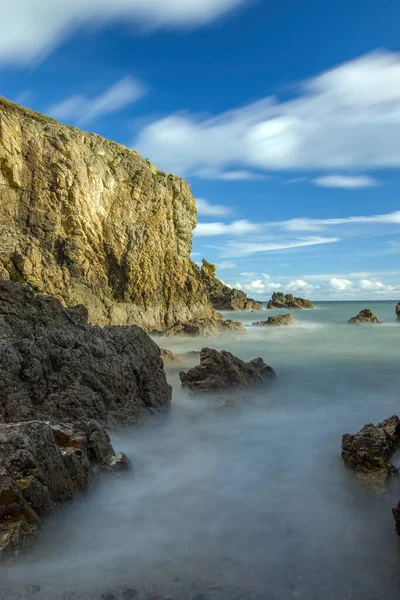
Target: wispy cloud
<point>81,109</point>
<point>204,207</point>
<point>345,181</point>
<point>236,249</point>
<point>306,224</point>
<point>347,118</point>
<point>235,228</point>
<point>30,30</point>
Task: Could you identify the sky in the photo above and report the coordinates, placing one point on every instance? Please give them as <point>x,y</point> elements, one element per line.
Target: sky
<point>283,116</point>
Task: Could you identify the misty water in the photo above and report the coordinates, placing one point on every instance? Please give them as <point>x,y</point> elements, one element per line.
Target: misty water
<point>243,502</point>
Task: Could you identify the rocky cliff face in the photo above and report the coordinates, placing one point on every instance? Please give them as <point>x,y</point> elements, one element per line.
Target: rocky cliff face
<point>91,222</point>
<point>223,297</point>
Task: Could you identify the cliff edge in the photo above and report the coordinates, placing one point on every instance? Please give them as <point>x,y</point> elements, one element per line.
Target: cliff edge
<point>222,297</point>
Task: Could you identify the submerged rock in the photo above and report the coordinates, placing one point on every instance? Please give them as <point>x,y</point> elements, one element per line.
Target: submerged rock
<point>281,300</point>
<point>222,370</point>
<point>369,451</point>
<point>55,366</point>
<point>42,465</point>
<point>276,321</point>
<point>223,297</point>
<point>364,316</point>
<point>206,327</point>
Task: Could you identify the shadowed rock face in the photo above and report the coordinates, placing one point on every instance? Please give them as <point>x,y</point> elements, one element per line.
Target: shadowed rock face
<point>55,366</point>
<point>364,316</point>
<point>277,321</point>
<point>280,300</point>
<point>396,515</point>
<point>223,371</point>
<point>223,297</point>
<point>398,311</point>
<point>91,222</point>
<point>369,451</point>
<point>41,466</point>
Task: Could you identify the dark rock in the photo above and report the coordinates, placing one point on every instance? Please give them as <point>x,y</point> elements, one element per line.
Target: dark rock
<point>364,316</point>
<point>129,593</point>
<point>396,515</point>
<point>222,297</point>
<point>55,366</point>
<point>398,311</point>
<point>369,451</point>
<point>280,300</point>
<point>277,321</point>
<point>222,370</point>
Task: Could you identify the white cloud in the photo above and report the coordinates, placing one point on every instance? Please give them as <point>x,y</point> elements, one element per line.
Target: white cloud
<point>299,284</point>
<point>32,28</point>
<point>306,224</point>
<point>226,265</point>
<point>82,109</point>
<point>345,181</point>
<point>346,118</point>
<point>340,284</point>
<point>206,208</point>
<point>236,249</point>
<point>235,228</point>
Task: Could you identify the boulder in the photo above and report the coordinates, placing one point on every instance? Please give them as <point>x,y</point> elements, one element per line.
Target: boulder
<point>365,316</point>
<point>222,297</point>
<point>56,367</point>
<point>222,370</point>
<point>368,452</point>
<point>398,311</point>
<point>206,327</point>
<point>41,466</point>
<point>169,358</point>
<point>277,321</point>
<point>281,300</point>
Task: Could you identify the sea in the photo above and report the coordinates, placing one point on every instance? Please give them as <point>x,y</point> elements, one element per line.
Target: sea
<point>249,501</point>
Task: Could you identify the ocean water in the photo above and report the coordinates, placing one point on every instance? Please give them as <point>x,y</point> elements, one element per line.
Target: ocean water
<point>244,502</point>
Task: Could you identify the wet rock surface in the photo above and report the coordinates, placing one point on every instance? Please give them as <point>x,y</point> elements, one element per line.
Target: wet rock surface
<point>365,316</point>
<point>369,451</point>
<point>41,466</point>
<point>223,371</point>
<point>55,366</point>
<point>222,297</point>
<point>276,321</point>
<point>281,300</point>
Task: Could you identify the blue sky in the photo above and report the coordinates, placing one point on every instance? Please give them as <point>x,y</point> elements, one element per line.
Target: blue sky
<point>283,116</point>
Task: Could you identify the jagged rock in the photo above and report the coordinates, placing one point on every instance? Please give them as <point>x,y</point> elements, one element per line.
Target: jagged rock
<point>364,316</point>
<point>396,515</point>
<point>55,366</point>
<point>222,370</point>
<point>277,321</point>
<point>223,297</point>
<point>206,327</point>
<point>369,451</point>
<point>41,466</point>
<point>169,358</point>
<point>398,311</point>
<point>280,300</point>
<point>91,222</point>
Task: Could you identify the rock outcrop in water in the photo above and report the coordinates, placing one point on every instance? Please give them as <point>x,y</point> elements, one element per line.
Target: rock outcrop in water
<point>365,316</point>
<point>55,366</point>
<point>90,222</point>
<point>398,311</point>
<point>207,327</point>
<point>42,465</point>
<point>369,451</point>
<point>219,371</point>
<point>276,321</point>
<point>222,297</point>
<point>281,300</point>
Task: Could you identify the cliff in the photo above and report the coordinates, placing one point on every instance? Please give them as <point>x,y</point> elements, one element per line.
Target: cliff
<point>90,222</point>
<point>223,297</point>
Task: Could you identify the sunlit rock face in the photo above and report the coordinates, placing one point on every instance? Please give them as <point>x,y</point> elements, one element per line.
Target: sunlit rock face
<point>91,222</point>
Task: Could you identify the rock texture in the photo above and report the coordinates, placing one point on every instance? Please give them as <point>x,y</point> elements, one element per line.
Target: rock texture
<point>398,311</point>
<point>41,466</point>
<point>280,300</point>
<point>396,515</point>
<point>207,327</point>
<point>223,297</point>
<point>169,358</point>
<point>277,321</point>
<point>90,222</point>
<point>222,370</point>
<point>369,451</point>
<point>364,316</point>
<point>55,366</point>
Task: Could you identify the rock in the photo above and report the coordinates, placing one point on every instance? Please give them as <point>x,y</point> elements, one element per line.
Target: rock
<point>398,311</point>
<point>55,366</point>
<point>280,300</point>
<point>222,370</point>
<point>42,465</point>
<point>223,297</point>
<point>91,222</point>
<point>205,327</point>
<point>277,321</point>
<point>396,515</point>
<point>369,451</point>
<point>169,358</point>
<point>364,316</point>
